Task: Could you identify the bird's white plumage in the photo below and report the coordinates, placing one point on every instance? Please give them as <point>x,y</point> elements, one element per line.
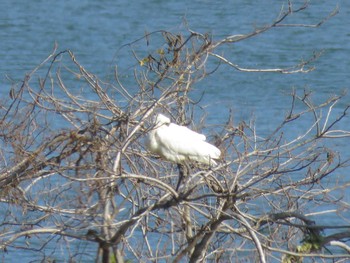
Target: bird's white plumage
<point>177,143</point>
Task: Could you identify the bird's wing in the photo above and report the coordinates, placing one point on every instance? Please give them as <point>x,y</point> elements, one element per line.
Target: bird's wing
<point>178,143</point>
<point>185,132</point>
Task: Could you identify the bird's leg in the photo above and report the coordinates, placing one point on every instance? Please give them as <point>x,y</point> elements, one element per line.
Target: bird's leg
<point>181,175</point>
<point>183,172</point>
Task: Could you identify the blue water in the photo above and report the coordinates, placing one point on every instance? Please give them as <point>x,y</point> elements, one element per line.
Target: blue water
<point>95,30</point>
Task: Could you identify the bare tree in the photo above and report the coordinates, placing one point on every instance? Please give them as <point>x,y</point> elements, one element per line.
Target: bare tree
<point>76,177</point>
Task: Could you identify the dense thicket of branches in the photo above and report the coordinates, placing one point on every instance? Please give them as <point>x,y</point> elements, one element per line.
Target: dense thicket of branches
<point>76,177</point>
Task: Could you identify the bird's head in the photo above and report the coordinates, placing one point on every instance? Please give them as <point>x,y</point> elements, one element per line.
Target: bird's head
<point>161,119</point>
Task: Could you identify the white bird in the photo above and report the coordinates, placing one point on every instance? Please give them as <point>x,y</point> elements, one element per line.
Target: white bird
<point>177,143</point>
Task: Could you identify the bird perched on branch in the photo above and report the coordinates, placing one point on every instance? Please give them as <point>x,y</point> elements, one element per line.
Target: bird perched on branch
<point>178,144</point>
